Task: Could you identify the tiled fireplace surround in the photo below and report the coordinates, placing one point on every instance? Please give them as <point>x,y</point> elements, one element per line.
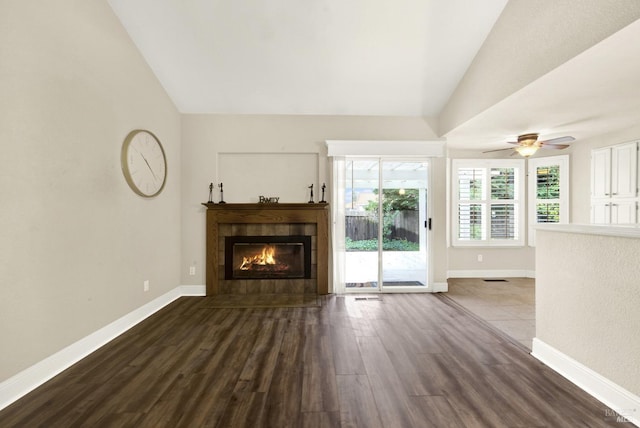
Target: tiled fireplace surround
<point>266,220</point>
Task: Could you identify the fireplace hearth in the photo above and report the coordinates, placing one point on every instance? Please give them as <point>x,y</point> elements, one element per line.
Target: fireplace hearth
<point>267,257</point>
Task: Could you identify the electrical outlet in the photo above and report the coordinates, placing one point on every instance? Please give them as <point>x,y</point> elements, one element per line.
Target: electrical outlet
<point>192,270</point>
<point>479,257</point>
<point>145,285</point>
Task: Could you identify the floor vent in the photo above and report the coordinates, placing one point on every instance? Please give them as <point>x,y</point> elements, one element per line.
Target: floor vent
<point>368,298</point>
<point>495,280</point>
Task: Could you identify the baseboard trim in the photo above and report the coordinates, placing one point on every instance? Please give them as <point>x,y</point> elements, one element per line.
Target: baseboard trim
<point>625,404</point>
<point>193,290</point>
<point>29,379</point>
<point>489,273</point>
<point>440,287</point>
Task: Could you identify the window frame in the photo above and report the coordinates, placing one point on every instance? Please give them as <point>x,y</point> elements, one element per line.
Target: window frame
<point>519,201</point>
<point>562,161</point>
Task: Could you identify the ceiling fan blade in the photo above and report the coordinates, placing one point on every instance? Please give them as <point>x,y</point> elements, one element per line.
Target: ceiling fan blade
<point>555,146</point>
<point>498,150</point>
<point>558,140</point>
<point>513,142</point>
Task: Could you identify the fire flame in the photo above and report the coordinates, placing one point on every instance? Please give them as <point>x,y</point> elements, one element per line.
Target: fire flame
<point>266,257</point>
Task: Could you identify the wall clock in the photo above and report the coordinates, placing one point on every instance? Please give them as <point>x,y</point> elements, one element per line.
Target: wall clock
<point>144,163</point>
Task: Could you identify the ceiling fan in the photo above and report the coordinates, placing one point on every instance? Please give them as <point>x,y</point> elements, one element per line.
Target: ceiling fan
<point>528,144</point>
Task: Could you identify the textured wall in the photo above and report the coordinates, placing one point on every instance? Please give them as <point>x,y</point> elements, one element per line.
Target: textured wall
<point>76,243</point>
<point>587,300</point>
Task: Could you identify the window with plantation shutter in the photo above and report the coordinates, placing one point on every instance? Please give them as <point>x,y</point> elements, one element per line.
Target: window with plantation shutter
<point>470,211</point>
<point>548,192</point>
<point>488,202</point>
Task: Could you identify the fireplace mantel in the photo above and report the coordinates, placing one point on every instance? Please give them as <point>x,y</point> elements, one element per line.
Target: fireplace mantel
<point>266,213</point>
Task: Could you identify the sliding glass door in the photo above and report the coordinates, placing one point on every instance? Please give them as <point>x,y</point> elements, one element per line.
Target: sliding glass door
<point>404,224</point>
<point>361,224</point>
<point>386,224</point>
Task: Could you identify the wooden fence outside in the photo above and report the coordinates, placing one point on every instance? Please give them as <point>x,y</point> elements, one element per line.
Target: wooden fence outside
<point>363,226</point>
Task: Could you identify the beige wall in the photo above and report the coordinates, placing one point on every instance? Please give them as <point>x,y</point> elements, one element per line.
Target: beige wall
<point>76,243</point>
<point>587,299</point>
<point>205,136</point>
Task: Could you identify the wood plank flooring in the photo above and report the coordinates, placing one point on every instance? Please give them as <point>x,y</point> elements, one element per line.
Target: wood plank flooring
<point>401,361</point>
<point>508,306</point>
<point>249,301</point>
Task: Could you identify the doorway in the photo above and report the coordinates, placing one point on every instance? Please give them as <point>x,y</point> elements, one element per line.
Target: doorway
<point>386,225</point>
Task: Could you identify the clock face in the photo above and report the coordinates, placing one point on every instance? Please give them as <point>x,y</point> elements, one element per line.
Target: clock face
<point>143,163</point>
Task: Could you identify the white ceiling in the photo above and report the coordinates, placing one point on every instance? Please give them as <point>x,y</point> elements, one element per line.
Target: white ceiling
<point>362,57</point>
<point>326,57</point>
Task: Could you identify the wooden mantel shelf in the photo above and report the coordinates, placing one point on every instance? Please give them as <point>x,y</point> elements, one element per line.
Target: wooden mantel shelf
<point>267,213</point>
<point>276,206</point>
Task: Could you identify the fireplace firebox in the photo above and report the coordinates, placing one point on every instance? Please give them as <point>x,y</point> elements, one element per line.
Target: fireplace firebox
<point>267,257</point>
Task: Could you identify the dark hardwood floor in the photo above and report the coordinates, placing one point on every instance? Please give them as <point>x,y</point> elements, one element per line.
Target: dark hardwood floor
<point>401,361</point>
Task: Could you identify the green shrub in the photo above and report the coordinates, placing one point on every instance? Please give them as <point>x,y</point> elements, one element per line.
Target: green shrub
<point>372,245</point>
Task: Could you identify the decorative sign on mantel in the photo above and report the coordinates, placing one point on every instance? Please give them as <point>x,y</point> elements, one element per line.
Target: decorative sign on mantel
<point>268,200</point>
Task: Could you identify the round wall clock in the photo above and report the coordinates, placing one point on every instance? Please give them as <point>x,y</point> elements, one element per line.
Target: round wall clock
<point>144,163</point>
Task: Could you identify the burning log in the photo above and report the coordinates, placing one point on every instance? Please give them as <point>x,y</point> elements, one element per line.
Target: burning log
<point>264,261</point>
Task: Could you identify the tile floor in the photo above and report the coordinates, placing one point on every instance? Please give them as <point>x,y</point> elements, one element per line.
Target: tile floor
<point>508,306</point>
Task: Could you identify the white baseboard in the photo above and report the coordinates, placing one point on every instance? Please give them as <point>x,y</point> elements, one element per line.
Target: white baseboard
<point>625,404</point>
<point>193,290</point>
<point>29,379</point>
<point>489,273</point>
<point>440,287</point>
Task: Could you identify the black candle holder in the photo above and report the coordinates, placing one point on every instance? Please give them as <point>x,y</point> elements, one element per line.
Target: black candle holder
<point>221,194</point>
<point>311,198</point>
<point>210,201</point>
<point>322,201</point>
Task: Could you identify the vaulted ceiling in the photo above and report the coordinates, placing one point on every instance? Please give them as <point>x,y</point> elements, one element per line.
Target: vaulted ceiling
<point>402,58</point>
<point>328,57</point>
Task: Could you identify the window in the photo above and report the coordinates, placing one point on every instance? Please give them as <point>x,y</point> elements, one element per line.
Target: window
<point>548,192</point>
<point>488,207</point>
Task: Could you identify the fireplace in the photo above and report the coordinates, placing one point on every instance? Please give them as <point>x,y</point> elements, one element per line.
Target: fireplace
<point>267,257</point>
<point>262,224</point>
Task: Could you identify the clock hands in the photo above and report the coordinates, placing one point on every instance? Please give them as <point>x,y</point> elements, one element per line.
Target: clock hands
<point>148,166</point>
<point>152,173</point>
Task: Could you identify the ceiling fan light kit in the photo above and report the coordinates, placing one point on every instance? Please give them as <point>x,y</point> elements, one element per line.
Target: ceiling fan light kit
<point>526,151</point>
<point>528,144</point>
<point>527,139</point>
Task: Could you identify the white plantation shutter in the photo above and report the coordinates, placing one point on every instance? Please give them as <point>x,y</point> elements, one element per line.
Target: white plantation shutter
<point>487,200</point>
<point>470,220</point>
<point>504,223</point>
<point>548,192</point>
<point>470,215</point>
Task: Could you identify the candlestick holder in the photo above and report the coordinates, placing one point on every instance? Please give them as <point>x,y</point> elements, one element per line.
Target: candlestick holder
<point>210,201</point>
<point>221,194</point>
<point>311,197</point>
